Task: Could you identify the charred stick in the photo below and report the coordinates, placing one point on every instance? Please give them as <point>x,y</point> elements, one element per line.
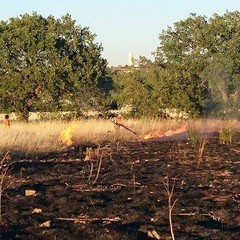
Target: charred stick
<point>116,219</point>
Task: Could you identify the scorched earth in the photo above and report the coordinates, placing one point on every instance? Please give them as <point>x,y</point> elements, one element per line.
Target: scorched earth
<point>120,191</point>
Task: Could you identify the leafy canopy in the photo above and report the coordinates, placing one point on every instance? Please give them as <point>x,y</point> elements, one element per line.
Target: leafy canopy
<point>196,70</point>
<point>48,64</point>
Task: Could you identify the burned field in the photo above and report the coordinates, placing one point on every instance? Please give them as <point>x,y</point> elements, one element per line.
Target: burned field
<point>119,191</point>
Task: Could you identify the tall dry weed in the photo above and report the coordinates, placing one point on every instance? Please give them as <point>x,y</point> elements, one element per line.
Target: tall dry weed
<point>34,137</point>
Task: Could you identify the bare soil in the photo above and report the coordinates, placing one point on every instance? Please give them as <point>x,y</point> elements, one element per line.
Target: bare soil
<point>120,192</point>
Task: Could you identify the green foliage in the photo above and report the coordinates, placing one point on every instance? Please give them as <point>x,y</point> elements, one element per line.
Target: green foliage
<point>204,55</point>
<point>48,64</point>
<point>196,70</point>
<point>134,88</point>
<point>150,90</point>
<point>193,137</point>
<point>226,136</point>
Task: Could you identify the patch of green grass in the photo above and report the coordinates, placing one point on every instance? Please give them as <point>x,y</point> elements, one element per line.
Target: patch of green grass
<point>193,137</point>
<point>226,136</point>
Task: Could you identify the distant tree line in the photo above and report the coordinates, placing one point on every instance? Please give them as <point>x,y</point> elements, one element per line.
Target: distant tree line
<point>196,69</point>
<point>50,64</point>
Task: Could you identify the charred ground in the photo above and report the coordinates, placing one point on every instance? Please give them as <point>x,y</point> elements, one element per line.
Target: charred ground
<point>118,193</point>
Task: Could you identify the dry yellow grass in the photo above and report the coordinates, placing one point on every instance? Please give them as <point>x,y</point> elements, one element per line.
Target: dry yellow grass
<point>47,136</point>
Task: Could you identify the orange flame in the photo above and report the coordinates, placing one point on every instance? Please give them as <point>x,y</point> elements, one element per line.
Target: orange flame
<point>67,135</point>
<point>168,133</point>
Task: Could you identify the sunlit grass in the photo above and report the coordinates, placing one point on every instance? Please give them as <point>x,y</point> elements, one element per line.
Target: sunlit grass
<point>34,137</point>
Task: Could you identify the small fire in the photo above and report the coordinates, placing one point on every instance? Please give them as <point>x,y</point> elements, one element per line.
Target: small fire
<point>168,133</point>
<point>67,135</point>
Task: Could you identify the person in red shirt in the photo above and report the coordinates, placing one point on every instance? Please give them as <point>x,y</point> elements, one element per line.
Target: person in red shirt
<point>6,121</point>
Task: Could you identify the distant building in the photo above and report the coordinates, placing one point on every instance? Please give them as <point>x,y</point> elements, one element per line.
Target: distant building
<point>126,68</point>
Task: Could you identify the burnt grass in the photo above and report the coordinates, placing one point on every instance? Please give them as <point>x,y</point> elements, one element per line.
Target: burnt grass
<point>124,196</point>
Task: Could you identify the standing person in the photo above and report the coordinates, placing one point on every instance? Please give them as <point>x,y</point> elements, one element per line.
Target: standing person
<point>117,120</point>
<point>6,121</point>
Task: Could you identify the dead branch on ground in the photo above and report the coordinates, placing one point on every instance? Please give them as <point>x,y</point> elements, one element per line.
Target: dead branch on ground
<point>84,219</point>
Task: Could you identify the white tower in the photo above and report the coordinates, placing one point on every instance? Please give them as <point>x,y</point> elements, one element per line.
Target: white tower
<point>130,59</point>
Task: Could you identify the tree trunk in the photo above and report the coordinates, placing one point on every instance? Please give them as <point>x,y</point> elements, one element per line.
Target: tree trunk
<point>224,94</point>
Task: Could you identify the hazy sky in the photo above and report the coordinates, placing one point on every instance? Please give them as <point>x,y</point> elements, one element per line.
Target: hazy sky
<point>121,26</point>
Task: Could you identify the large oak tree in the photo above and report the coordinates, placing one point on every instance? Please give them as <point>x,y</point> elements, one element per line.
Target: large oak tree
<point>48,64</point>
<point>205,54</point>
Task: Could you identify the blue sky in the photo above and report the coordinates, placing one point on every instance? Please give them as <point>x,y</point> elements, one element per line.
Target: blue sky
<point>121,26</point>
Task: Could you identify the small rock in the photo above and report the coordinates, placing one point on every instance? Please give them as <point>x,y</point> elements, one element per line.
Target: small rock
<point>37,210</point>
<point>153,234</point>
<point>45,224</point>
<point>30,193</point>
